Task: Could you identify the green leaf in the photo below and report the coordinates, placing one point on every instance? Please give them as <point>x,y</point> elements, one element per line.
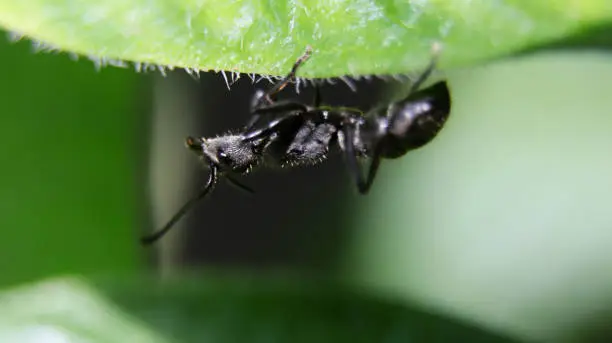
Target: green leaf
<point>353,37</point>
<point>215,309</point>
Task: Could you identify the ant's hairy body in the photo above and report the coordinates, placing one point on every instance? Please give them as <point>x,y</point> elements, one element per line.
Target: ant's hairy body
<point>290,134</point>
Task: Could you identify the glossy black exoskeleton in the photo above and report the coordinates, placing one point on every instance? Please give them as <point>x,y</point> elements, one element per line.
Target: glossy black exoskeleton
<point>290,134</point>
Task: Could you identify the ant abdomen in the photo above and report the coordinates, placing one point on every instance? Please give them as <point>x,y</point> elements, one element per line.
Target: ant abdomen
<point>416,120</point>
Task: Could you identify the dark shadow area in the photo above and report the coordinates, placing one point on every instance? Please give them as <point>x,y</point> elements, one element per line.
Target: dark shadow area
<point>596,328</point>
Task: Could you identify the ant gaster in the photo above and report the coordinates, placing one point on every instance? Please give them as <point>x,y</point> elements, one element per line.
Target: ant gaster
<point>289,134</point>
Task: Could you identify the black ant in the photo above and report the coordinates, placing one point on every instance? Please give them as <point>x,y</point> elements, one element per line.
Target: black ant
<point>297,134</point>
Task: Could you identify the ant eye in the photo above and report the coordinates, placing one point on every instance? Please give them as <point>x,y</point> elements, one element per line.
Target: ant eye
<point>222,155</point>
<point>225,158</point>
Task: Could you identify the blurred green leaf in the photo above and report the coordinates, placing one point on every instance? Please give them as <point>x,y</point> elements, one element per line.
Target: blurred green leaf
<point>216,309</point>
<point>350,37</point>
<point>68,200</point>
<point>509,205</point>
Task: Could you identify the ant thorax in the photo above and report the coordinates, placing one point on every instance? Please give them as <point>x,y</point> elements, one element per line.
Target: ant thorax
<point>299,140</point>
<point>310,144</point>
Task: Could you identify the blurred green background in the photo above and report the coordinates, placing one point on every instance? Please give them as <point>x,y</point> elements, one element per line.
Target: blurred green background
<point>68,165</point>
<point>508,216</point>
<point>503,221</point>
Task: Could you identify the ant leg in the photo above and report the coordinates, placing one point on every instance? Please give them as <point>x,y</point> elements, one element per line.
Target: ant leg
<point>282,107</point>
<point>371,172</point>
<point>239,184</point>
<point>267,95</point>
<point>435,52</point>
<point>286,111</point>
<point>277,111</point>
<point>260,96</point>
<point>252,135</point>
<point>210,184</point>
<point>256,100</point>
<point>363,184</point>
<point>255,103</point>
<point>279,86</point>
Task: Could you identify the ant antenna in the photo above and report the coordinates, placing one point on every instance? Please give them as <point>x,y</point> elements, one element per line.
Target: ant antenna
<point>210,184</point>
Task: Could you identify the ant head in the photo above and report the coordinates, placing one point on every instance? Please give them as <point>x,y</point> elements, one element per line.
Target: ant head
<point>229,153</point>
